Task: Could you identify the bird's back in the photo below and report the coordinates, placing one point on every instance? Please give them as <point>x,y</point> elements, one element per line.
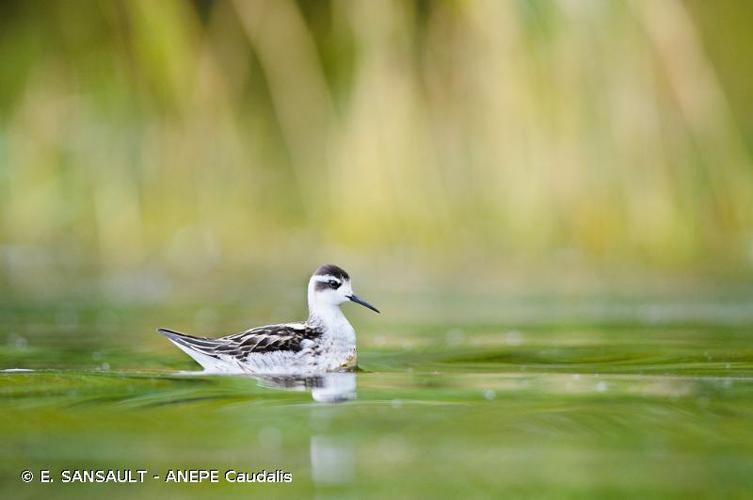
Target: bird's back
<point>265,349</point>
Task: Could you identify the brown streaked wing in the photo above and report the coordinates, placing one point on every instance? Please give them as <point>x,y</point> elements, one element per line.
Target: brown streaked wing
<point>269,338</point>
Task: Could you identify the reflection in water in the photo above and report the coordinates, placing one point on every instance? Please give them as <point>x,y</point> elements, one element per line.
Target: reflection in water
<point>327,388</point>
<point>332,460</point>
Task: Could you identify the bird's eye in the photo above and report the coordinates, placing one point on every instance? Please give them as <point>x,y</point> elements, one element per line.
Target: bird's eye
<point>334,284</point>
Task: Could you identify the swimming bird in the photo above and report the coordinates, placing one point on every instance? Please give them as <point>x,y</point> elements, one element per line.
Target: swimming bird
<point>325,342</point>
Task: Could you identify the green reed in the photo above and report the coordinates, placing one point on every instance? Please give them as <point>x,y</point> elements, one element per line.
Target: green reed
<point>185,133</point>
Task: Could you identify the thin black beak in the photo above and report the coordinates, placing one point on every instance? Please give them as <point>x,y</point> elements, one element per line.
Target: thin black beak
<point>358,300</point>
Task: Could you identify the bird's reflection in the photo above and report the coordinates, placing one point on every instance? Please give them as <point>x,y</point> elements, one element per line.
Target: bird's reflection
<point>327,388</point>
<point>333,460</point>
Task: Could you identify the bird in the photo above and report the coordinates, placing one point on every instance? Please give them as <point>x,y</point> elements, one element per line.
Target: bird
<point>325,342</point>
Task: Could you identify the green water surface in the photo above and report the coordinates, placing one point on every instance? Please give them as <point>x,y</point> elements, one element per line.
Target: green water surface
<point>622,404</point>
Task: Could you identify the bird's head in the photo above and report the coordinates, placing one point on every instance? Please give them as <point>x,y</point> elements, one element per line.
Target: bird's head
<point>330,286</point>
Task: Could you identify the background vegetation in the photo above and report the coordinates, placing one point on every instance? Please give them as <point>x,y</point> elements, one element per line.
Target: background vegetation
<point>177,138</point>
<point>550,201</point>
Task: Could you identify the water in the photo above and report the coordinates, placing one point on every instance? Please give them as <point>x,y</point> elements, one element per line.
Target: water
<point>616,405</point>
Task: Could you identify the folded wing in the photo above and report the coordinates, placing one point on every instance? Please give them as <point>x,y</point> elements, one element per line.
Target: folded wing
<point>264,339</point>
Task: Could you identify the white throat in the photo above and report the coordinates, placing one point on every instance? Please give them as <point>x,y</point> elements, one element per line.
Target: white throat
<point>327,314</point>
<point>324,312</point>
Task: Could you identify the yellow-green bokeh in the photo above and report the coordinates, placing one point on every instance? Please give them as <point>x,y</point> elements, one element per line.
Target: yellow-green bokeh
<point>182,134</point>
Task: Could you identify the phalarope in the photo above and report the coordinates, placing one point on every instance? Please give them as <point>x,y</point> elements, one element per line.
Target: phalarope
<point>325,342</point>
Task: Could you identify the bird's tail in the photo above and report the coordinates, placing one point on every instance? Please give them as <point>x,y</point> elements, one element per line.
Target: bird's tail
<point>177,336</point>
<point>201,349</point>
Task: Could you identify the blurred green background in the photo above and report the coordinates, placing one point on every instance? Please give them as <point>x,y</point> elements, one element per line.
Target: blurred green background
<point>151,143</point>
<point>550,201</point>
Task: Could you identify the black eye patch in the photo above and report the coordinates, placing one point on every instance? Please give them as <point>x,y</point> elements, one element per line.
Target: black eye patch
<point>327,285</point>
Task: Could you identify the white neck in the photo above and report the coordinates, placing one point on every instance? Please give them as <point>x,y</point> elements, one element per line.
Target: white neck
<point>327,315</point>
